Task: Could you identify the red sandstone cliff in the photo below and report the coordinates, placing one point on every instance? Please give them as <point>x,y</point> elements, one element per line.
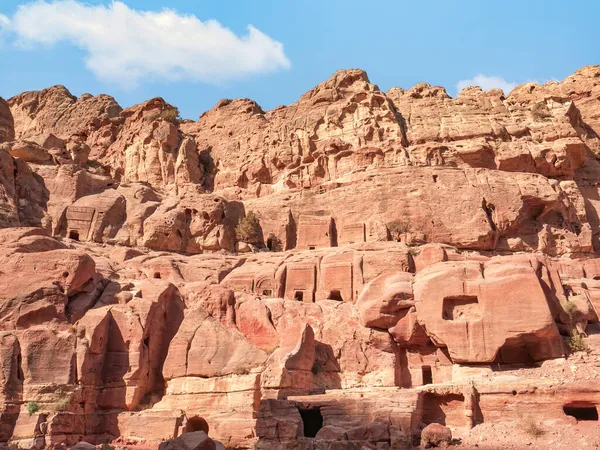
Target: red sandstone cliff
<point>419,259</point>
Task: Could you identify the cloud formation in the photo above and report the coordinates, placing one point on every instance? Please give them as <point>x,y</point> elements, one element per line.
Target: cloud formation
<point>123,45</point>
<point>486,83</point>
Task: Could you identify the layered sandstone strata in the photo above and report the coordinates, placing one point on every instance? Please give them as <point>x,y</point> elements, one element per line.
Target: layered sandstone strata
<point>420,260</point>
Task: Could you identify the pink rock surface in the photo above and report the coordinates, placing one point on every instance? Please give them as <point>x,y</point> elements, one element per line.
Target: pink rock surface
<point>420,261</point>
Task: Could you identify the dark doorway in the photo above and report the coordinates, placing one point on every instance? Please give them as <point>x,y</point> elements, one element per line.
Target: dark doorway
<point>299,295</point>
<point>196,424</point>
<point>581,412</point>
<point>335,295</point>
<point>312,420</point>
<point>427,375</point>
<point>311,248</point>
<point>74,235</point>
<point>267,292</point>
<point>157,275</point>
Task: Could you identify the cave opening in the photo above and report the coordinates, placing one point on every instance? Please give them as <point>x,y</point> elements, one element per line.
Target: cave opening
<point>74,235</point>
<point>299,296</point>
<point>583,412</point>
<point>335,294</point>
<point>312,421</point>
<point>427,375</point>
<point>196,423</point>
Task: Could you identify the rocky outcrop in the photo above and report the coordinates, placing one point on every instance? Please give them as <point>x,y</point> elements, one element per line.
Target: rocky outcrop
<point>342,122</point>
<point>55,110</point>
<point>151,148</point>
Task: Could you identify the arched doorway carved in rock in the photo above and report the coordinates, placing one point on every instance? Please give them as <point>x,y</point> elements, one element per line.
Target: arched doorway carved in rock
<point>195,423</point>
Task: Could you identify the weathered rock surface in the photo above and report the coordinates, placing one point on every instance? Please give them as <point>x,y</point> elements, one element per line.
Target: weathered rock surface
<point>7,127</point>
<point>436,435</point>
<point>423,266</point>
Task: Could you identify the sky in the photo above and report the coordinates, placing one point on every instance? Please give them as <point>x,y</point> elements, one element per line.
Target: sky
<point>194,53</point>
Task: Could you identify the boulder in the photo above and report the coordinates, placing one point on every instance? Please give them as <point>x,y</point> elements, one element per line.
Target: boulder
<point>463,306</point>
<point>373,432</point>
<point>383,299</point>
<point>331,433</point>
<point>197,440</point>
<point>436,435</point>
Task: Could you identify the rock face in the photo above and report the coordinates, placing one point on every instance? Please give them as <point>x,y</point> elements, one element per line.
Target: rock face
<point>421,265</point>
<point>7,126</point>
<point>455,302</point>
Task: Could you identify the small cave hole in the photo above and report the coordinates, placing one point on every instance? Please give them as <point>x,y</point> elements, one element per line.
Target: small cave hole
<point>299,296</point>
<point>435,177</point>
<point>74,235</point>
<point>267,292</point>
<point>312,421</point>
<point>311,248</point>
<point>147,341</point>
<point>335,294</point>
<point>427,375</point>
<point>156,275</point>
<point>587,412</point>
<point>65,274</point>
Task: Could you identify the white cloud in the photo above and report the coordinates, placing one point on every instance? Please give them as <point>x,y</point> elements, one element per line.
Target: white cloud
<point>4,24</point>
<point>123,44</point>
<point>486,83</point>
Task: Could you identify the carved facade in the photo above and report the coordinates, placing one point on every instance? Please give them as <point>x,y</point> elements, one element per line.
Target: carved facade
<point>315,232</point>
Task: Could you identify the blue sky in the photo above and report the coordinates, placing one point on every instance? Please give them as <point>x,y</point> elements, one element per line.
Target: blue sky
<point>299,44</point>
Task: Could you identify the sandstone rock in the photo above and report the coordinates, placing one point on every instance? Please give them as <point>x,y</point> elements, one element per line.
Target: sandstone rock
<point>7,130</point>
<point>83,446</point>
<point>42,291</point>
<point>55,110</point>
<point>215,299</point>
<point>151,149</point>
<point>332,133</point>
<point>253,319</point>
<point>97,217</point>
<point>29,152</point>
<point>399,440</point>
<point>131,313</point>
<point>331,433</point>
<point>374,432</point>
<point>435,435</point>
<point>197,440</point>
<point>203,347</point>
<point>382,300</point>
<point>408,331</point>
<point>455,302</point>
